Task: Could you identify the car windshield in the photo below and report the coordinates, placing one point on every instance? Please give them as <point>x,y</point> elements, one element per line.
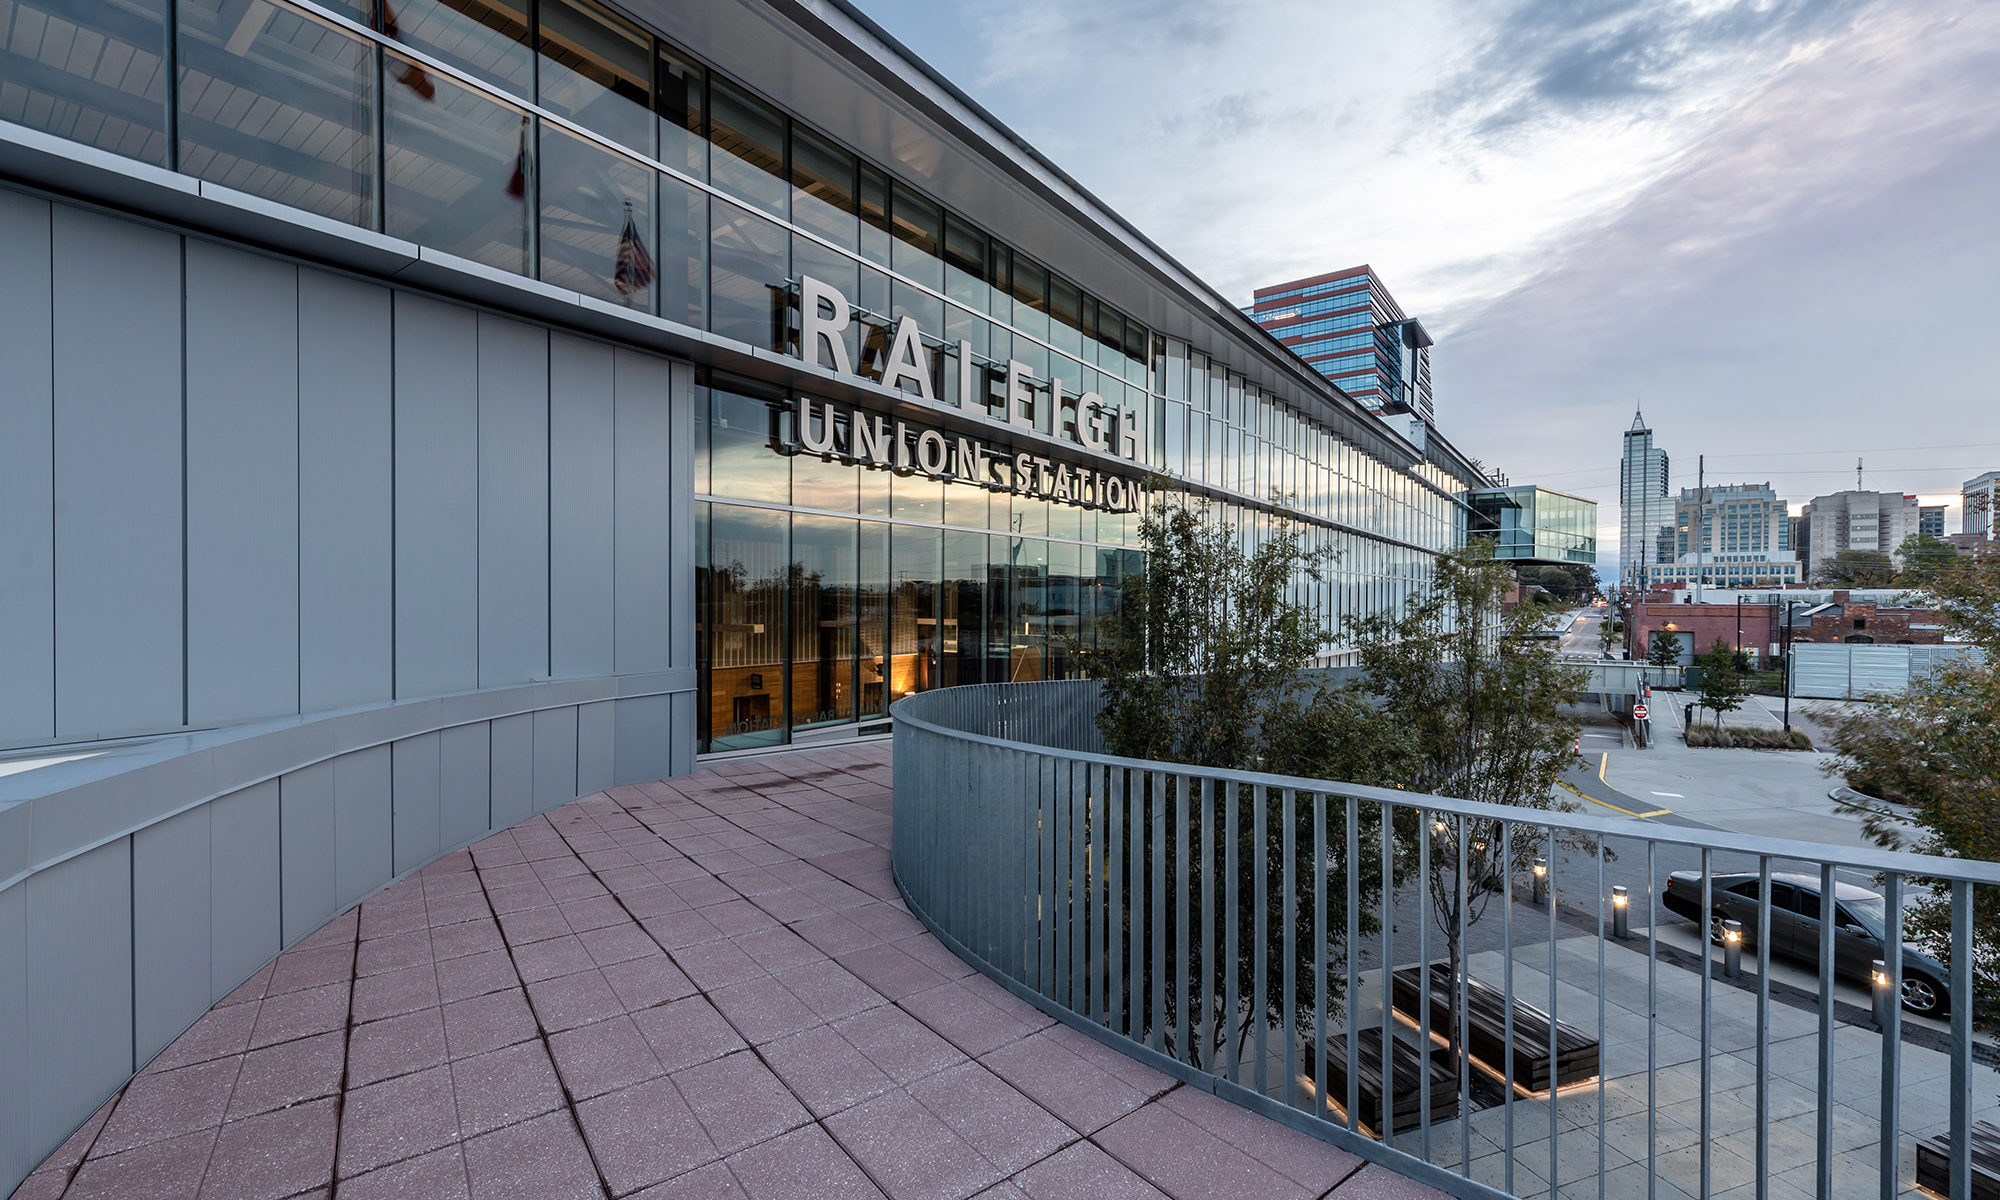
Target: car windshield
<point>1872,912</point>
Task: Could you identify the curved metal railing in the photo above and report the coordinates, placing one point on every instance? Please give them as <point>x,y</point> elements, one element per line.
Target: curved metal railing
<point>1232,928</point>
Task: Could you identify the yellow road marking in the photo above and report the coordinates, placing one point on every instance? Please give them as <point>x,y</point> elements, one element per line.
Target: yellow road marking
<point>1658,812</point>
<point>1603,761</point>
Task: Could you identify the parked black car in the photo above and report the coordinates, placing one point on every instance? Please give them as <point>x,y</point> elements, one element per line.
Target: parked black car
<point>1860,918</point>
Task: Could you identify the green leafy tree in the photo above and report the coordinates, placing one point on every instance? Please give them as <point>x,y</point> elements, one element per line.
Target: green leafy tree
<point>1206,663</point>
<point>1461,700</point>
<point>1923,558</point>
<point>1721,685</point>
<point>1557,581</point>
<point>1934,747</point>
<point>1663,649</point>
<point>1856,569</point>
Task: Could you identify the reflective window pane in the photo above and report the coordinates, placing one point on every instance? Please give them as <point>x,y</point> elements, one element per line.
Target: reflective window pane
<point>597,71</point>
<point>460,167</point>
<point>279,105</point>
<point>875,237</point>
<point>743,612</point>
<point>915,563</point>
<point>744,463</point>
<point>678,99</point>
<point>1031,297</point>
<point>749,140</point>
<point>919,226</point>
<point>965,264</point>
<point>824,183</point>
<point>825,576</point>
<point>486,38</point>
<point>748,270</point>
<point>962,610</point>
<point>92,71</point>
<point>683,281</point>
<point>597,221</point>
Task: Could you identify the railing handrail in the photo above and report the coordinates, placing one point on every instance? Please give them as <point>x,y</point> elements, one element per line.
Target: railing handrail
<point>1976,871</point>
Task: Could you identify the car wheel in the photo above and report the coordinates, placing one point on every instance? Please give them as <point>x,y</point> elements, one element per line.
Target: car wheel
<point>1923,995</point>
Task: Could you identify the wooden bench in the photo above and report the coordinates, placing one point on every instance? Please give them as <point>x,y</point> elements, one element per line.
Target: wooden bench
<point>1934,1163</point>
<point>1408,1105</point>
<point>1486,1029</point>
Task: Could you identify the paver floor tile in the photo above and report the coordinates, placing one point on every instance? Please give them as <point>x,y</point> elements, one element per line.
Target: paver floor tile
<point>173,1167</point>
<point>908,1152</point>
<point>504,1087</point>
<point>739,1101</point>
<point>439,1175</point>
<point>1083,1170</point>
<point>397,1119</point>
<point>386,1048</point>
<point>804,1164</point>
<point>171,1103</point>
<point>274,1154</point>
<point>488,1022</point>
<point>643,1135</point>
<point>605,1056</point>
<point>542,1159</point>
<point>290,1072</point>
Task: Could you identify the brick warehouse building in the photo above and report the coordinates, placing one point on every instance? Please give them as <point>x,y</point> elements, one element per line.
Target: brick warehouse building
<point>1761,624</point>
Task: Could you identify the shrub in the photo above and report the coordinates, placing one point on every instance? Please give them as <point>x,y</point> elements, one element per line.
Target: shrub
<point>1736,737</point>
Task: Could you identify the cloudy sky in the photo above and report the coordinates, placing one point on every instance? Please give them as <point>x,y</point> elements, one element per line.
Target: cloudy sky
<point>1772,224</point>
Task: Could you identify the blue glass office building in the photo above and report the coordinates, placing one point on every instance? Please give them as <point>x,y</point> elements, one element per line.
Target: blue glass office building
<point>1352,331</point>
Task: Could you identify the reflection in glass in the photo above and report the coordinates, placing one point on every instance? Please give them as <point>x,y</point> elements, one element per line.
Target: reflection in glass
<point>597,71</point>
<point>824,195</point>
<point>678,100</point>
<point>965,264</point>
<point>1027,626</point>
<point>87,70</point>
<point>743,615</point>
<point>1064,597</point>
<point>279,105</point>
<point>962,609</point>
<point>748,269</point>
<point>597,221</point>
<point>919,226</point>
<point>872,614</point>
<point>484,38</point>
<point>824,577</point>
<point>459,167</point>
<point>749,139</point>
<point>874,215</point>
<point>917,498</point>
<point>683,281</point>
<point>913,619</point>
<point>743,434</point>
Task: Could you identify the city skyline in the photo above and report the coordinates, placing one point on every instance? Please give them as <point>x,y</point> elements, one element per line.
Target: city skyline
<point>1657,206</point>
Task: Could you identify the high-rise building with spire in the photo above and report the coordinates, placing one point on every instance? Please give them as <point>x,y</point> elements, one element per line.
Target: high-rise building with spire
<point>1645,510</point>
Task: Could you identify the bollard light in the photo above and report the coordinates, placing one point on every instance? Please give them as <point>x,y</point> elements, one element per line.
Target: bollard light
<point>1878,979</point>
<point>1541,885</point>
<point>1732,948</point>
<point>1438,826</point>
<point>1621,913</point>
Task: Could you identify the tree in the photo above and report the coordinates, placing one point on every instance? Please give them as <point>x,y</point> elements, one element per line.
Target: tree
<point>1721,686</point>
<point>1460,700</point>
<point>1557,581</point>
<point>1584,582</point>
<point>1935,748</point>
<point>1923,557</point>
<point>1205,662</point>
<point>1856,569</point>
<point>1663,649</point>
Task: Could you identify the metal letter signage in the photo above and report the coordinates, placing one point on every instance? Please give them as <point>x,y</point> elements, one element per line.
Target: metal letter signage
<point>840,431</point>
<point>824,317</point>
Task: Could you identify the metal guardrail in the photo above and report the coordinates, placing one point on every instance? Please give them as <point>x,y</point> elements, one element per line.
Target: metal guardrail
<point>1131,899</point>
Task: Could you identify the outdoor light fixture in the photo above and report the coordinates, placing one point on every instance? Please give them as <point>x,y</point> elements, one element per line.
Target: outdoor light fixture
<point>1439,826</point>
<point>1732,948</point>
<point>1880,993</point>
<point>1541,885</point>
<point>1621,913</point>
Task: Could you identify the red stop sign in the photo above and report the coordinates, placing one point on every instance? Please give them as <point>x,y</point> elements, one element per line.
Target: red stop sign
<point>1638,712</point>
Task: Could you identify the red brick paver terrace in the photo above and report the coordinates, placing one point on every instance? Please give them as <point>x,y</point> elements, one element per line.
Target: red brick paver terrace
<point>702,987</point>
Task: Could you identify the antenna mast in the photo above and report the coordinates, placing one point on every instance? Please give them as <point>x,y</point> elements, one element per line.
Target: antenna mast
<point>1857,473</point>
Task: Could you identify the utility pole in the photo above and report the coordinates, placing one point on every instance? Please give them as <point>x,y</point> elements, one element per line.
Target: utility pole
<point>1786,639</point>
<point>1700,518</point>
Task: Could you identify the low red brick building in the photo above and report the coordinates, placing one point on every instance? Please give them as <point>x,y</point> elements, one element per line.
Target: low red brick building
<point>1757,629</point>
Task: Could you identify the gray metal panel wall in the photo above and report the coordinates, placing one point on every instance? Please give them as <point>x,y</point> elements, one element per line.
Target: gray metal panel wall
<point>311,892</point>
<point>27,479</point>
<point>346,522</point>
<point>17,1152</point>
<point>643,545</point>
<point>363,830</point>
<point>555,758</point>
<point>596,746</point>
<point>244,885</point>
<point>437,497</point>
<point>79,973</point>
<point>242,485</point>
<point>581,437</point>
<point>414,784</point>
<point>513,759</point>
<point>513,501</point>
<point>172,872</point>
<point>465,778</point>
<point>117,475</point>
